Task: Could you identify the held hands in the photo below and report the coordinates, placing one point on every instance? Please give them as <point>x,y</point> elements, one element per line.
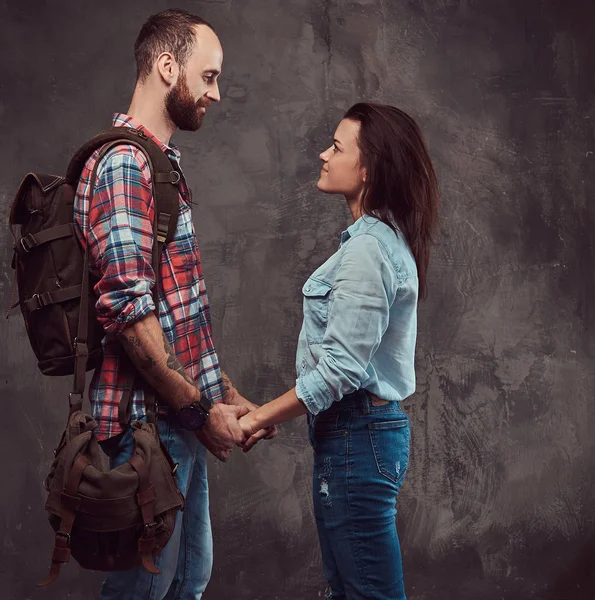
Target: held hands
<point>250,429</point>
<point>222,430</point>
<point>248,421</point>
<point>232,424</point>
<point>252,434</point>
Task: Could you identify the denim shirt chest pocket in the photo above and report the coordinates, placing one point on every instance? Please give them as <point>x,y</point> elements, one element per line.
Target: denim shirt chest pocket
<point>317,296</point>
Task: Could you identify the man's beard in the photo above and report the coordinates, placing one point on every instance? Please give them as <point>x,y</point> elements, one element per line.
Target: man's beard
<point>182,108</point>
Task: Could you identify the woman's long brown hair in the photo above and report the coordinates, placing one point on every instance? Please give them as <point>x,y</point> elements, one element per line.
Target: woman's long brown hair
<point>401,186</point>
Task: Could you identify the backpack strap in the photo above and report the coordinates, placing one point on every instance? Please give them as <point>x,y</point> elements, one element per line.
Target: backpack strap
<point>146,497</point>
<point>71,502</point>
<point>165,174</point>
<point>165,177</point>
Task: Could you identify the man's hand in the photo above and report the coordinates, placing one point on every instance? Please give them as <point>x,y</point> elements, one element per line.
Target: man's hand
<point>234,398</point>
<point>222,430</point>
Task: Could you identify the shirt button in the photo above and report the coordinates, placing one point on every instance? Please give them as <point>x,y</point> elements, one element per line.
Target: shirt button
<point>308,288</point>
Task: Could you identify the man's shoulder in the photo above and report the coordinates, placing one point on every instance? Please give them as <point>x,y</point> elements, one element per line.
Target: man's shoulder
<point>124,159</point>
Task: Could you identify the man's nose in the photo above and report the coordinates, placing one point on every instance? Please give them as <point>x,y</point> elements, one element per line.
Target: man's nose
<point>213,94</point>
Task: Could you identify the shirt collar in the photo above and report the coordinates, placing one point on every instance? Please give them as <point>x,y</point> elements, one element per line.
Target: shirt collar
<point>123,120</point>
<point>355,227</point>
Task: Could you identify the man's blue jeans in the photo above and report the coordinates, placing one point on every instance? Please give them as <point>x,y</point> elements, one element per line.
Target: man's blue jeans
<point>187,559</point>
<point>361,454</point>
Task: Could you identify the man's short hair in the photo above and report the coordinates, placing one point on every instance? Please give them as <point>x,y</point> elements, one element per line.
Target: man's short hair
<point>172,30</point>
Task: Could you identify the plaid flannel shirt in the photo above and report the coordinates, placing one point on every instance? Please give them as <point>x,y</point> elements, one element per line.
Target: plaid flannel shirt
<point>118,230</point>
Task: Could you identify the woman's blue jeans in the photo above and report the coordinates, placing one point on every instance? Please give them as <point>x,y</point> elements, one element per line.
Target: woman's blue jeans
<point>361,454</point>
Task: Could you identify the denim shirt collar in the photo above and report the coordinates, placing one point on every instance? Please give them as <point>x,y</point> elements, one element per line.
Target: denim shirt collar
<point>363,221</point>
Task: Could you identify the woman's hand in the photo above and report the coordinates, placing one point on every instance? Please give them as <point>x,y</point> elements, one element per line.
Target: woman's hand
<point>233,397</point>
<point>260,423</point>
<point>249,425</point>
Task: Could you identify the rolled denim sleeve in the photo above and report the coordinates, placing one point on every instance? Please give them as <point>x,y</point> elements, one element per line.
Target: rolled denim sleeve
<point>120,238</point>
<point>361,297</point>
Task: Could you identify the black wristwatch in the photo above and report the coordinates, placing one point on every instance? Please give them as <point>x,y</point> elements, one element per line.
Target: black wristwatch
<point>193,416</point>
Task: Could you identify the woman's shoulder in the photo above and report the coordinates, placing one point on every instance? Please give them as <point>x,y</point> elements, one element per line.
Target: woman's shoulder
<point>392,241</point>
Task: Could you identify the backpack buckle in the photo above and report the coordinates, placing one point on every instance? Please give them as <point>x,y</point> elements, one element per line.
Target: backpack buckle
<point>28,242</point>
<point>76,404</point>
<point>162,226</point>
<point>39,298</point>
<point>64,535</point>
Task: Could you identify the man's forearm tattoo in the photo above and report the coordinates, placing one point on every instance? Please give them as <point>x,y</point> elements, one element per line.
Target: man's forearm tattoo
<point>173,362</point>
<point>146,363</point>
<point>227,384</point>
<point>134,348</point>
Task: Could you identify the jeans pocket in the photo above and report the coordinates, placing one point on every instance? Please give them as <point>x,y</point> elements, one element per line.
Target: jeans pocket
<point>331,422</point>
<point>390,442</point>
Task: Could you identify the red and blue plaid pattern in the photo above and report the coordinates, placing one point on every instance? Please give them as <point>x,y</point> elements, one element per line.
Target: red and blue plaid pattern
<point>118,229</point>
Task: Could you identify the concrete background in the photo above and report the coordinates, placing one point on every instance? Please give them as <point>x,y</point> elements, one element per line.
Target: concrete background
<point>498,503</point>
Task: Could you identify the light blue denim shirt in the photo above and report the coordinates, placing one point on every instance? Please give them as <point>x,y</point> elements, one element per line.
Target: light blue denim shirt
<point>360,319</point>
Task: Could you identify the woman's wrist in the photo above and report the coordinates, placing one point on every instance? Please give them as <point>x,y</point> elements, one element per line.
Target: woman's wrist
<point>249,423</point>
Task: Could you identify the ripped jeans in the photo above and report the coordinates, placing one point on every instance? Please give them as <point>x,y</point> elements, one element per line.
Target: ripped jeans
<point>361,454</point>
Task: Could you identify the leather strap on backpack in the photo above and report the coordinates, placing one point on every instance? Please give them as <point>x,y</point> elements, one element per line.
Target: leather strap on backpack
<point>75,398</point>
<point>70,502</point>
<point>146,500</point>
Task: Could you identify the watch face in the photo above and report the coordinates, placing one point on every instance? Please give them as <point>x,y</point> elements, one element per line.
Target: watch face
<point>192,417</point>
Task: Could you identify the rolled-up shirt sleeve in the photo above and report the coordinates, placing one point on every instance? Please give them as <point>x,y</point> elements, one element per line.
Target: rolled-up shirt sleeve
<point>362,294</point>
<point>120,240</point>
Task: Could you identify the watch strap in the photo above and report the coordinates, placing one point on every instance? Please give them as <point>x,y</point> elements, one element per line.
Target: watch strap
<point>205,403</point>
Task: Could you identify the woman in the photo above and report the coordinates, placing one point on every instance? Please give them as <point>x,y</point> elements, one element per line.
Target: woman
<point>355,358</point>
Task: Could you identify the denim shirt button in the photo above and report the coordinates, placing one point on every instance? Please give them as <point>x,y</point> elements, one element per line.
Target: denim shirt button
<point>308,288</point>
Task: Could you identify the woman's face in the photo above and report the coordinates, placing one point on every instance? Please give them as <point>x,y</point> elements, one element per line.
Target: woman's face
<point>341,172</point>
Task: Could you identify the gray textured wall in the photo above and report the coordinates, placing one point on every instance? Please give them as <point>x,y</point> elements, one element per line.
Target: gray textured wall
<point>498,503</point>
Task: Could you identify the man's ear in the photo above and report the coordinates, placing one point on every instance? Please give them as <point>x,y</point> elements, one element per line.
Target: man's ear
<point>167,68</point>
